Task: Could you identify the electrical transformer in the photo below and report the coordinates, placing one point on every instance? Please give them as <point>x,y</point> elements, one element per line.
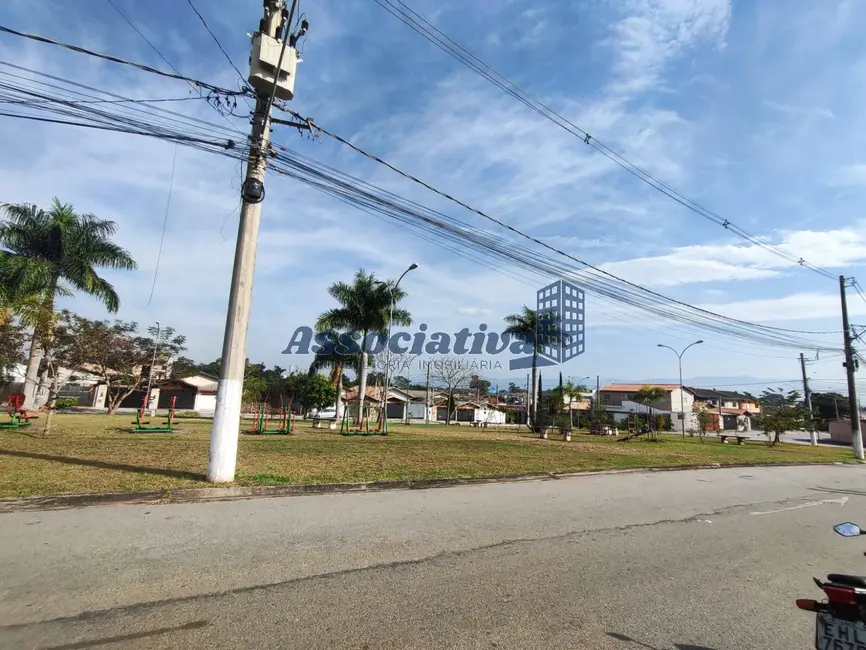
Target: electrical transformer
<point>264,63</point>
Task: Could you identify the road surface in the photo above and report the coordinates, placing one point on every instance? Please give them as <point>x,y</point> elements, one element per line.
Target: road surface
<point>689,560</point>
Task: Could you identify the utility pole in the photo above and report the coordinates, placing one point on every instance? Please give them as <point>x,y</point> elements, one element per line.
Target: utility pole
<point>427,398</point>
<point>270,78</point>
<point>850,368</point>
<point>150,374</point>
<point>807,396</point>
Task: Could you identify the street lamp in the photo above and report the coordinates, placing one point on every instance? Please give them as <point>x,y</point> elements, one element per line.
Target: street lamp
<point>150,374</point>
<point>578,384</point>
<point>391,290</point>
<point>682,397</point>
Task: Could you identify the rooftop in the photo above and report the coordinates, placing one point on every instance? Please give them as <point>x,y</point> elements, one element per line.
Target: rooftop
<point>633,388</point>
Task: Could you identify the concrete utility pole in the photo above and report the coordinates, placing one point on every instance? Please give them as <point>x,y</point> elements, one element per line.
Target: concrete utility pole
<point>850,369</point>
<point>807,396</point>
<point>427,400</point>
<point>150,410</point>
<point>227,415</point>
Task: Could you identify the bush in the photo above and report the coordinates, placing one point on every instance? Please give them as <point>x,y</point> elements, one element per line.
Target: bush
<point>563,421</point>
<point>66,403</point>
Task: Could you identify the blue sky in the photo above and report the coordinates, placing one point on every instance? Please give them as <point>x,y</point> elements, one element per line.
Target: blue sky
<point>752,108</point>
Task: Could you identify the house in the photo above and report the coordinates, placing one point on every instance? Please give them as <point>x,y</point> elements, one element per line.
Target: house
<point>193,393</point>
<point>472,411</point>
<point>81,384</point>
<point>619,400</point>
<point>727,405</point>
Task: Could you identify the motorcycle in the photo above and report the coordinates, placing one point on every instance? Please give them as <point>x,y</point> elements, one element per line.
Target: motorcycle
<point>841,620</point>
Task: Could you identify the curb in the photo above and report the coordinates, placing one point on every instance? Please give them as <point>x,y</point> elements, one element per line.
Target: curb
<point>205,495</point>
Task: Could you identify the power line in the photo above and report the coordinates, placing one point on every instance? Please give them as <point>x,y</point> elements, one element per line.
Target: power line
<point>114,59</point>
<point>426,29</point>
<point>161,55</point>
<point>216,40</point>
<point>370,198</point>
<point>164,225</point>
<point>524,235</point>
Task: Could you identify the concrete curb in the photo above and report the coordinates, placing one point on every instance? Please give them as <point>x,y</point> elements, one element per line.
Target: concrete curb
<point>204,495</point>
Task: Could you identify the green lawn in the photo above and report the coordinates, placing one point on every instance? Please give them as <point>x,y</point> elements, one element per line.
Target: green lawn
<point>96,453</point>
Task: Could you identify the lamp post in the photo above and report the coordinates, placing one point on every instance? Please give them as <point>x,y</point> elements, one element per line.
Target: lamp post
<point>682,397</point>
<point>578,384</point>
<point>391,291</point>
<point>150,374</point>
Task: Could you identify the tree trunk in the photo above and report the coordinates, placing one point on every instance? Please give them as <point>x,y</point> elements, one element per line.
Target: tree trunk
<point>115,400</point>
<point>37,353</point>
<point>52,401</point>
<point>338,407</point>
<point>31,379</point>
<point>362,383</point>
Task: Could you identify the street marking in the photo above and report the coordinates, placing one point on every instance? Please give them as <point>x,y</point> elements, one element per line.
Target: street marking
<point>841,502</point>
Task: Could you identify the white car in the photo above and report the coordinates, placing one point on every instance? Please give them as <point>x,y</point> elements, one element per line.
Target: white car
<point>325,414</point>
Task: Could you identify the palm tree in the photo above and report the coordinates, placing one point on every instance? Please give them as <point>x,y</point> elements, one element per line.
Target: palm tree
<point>648,395</point>
<point>523,325</point>
<point>337,363</point>
<point>50,254</point>
<point>364,309</point>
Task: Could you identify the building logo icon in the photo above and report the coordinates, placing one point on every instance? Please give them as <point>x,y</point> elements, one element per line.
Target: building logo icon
<point>560,309</point>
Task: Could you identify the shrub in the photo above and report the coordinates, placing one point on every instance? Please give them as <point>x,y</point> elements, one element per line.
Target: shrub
<point>66,403</point>
<point>563,421</point>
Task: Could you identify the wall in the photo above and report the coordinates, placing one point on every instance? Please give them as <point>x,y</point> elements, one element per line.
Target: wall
<point>840,431</point>
<point>205,404</point>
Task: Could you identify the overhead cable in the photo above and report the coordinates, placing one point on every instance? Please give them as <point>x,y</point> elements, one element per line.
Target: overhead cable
<point>426,29</point>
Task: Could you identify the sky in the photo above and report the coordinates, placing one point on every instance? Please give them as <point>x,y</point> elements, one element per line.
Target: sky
<point>752,108</point>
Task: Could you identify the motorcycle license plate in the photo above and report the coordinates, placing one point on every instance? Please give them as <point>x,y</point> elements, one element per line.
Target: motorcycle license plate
<point>837,634</point>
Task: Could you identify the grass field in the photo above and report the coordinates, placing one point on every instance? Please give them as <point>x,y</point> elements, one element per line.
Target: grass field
<point>97,453</point>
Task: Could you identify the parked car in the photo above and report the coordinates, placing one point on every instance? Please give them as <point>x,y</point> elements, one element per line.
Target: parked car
<point>325,414</point>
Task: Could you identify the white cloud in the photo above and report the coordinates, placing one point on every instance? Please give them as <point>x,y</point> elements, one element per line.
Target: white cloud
<point>798,306</point>
<point>798,111</point>
<point>729,261</point>
<point>848,176</point>
<point>653,32</point>
<point>474,311</point>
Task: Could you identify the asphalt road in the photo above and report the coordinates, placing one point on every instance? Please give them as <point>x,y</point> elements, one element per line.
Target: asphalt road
<point>689,560</point>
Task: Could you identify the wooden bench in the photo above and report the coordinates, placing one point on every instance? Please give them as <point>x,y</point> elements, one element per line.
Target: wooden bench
<point>741,438</point>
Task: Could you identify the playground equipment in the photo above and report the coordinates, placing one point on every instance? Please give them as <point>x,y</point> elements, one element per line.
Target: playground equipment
<point>167,426</point>
<point>18,417</point>
<point>363,426</point>
<point>285,421</point>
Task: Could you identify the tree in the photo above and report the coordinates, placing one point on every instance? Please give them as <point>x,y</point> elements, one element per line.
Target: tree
<point>479,386</point>
<point>262,384</point>
<point>647,396</point>
<point>523,325</point>
<point>827,407</point>
<point>52,253</point>
<point>780,412</point>
<point>704,419</point>
<point>113,351</point>
<point>310,391</point>
<point>337,363</point>
<point>13,335</point>
<point>450,375</point>
<point>183,367</point>
<point>365,307</point>
<point>401,382</point>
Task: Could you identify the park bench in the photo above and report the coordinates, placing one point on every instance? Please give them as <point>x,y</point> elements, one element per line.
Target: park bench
<point>741,437</point>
